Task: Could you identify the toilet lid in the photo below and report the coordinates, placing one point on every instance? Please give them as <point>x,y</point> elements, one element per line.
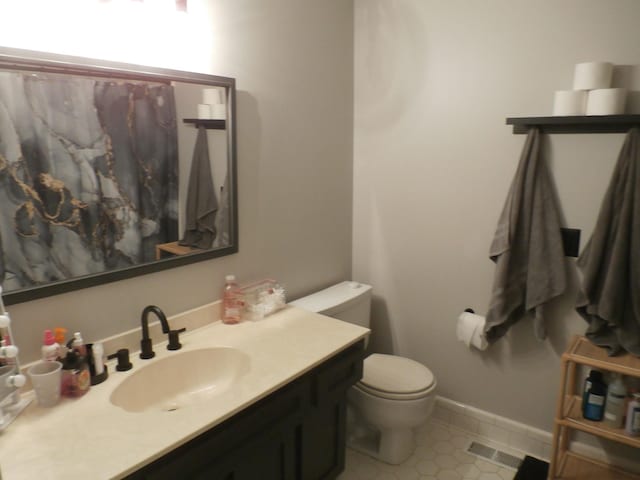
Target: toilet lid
<point>399,376</point>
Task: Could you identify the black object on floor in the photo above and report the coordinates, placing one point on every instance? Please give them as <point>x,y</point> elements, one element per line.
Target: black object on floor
<point>532,469</point>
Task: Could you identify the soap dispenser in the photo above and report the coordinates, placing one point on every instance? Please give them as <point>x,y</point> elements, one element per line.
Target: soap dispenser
<point>232,302</point>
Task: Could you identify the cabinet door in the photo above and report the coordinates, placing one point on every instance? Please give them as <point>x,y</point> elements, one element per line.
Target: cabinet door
<point>323,446</point>
<point>274,456</point>
<point>324,427</point>
<point>259,439</point>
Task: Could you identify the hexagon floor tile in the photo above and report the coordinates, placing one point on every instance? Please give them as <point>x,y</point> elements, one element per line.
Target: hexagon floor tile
<point>440,455</point>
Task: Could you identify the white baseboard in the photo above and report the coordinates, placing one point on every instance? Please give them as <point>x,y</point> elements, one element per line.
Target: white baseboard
<point>494,428</point>
<point>518,437</point>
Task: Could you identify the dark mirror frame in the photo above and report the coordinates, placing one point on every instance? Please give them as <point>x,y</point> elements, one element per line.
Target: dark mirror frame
<point>27,60</point>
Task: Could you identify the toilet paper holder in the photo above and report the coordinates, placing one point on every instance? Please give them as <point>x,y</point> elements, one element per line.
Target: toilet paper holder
<point>471,330</point>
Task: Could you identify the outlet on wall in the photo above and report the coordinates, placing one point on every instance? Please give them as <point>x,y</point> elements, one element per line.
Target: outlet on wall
<point>571,241</point>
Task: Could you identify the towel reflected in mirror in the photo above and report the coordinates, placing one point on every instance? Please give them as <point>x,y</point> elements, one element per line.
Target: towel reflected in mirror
<point>202,204</point>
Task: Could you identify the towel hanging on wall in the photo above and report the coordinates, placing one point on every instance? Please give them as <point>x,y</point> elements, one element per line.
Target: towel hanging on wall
<point>609,298</point>
<point>527,247</point>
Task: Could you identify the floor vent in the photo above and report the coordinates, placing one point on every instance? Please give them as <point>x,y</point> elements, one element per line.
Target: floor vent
<point>493,455</point>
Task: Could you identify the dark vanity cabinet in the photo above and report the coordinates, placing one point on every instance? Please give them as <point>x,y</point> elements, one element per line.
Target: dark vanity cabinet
<point>295,433</point>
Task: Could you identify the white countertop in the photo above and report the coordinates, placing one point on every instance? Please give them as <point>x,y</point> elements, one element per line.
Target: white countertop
<point>89,438</point>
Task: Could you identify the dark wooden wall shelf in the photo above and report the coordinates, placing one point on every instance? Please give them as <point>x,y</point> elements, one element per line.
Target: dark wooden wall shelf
<point>208,124</point>
<point>576,124</point>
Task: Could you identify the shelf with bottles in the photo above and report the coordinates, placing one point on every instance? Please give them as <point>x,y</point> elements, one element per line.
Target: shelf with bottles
<point>566,464</point>
<point>578,467</point>
<point>573,418</point>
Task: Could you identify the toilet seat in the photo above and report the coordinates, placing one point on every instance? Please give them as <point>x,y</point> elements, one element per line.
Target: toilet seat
<point>395,378</point>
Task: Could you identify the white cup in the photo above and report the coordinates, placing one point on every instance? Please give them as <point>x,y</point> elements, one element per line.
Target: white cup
<point>46,378</point>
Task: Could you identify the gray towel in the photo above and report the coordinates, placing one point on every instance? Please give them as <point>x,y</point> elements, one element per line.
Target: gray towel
<point>610,295</point>
<point>202,204</point>
<point>527,247</point>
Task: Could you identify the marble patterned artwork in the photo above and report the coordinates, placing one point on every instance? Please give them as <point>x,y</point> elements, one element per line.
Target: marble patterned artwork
<point>88,175</point>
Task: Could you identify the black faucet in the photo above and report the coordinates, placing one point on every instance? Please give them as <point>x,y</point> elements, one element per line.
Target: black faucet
<point>146,347</point>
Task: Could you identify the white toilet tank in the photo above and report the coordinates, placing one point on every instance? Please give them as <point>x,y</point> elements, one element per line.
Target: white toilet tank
<point>346,301</point>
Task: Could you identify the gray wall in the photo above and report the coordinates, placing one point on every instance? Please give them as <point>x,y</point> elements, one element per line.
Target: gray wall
<point>293,61</point>
<point>434,160</point>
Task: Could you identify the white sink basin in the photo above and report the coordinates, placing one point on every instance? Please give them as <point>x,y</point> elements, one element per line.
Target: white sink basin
<point>181,379</point>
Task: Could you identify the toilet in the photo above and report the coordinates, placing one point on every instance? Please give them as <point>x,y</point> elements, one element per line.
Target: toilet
<point>394,396</point>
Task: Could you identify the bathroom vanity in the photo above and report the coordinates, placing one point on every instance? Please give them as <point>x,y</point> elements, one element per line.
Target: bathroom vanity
<point>282,417</point>
<point>297,432</point>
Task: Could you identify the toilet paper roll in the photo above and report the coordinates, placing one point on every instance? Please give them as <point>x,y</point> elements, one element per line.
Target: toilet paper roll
<point>606,101</point>
<point>204,111</point>
<point>569,102</point>
<point>470,330</point>
<point>591,75</point>
<point>219,111</point>
<point>211,96</point>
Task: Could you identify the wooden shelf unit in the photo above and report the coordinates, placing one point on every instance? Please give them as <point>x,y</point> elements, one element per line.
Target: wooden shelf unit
<point>209,124</point>
<point>577,467</point>
<point>164,250</point>
<point>566,464</point>
<point>576,124</point>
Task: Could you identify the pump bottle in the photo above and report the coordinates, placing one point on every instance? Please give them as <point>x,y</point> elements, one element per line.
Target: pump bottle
<point>231,301</point>
<point>50,348</point>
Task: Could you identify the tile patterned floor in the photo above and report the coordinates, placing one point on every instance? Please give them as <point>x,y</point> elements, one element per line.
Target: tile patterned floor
<point>440,455</point>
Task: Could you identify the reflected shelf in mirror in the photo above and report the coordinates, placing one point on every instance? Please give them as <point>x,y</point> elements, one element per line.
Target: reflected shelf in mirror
<point>210,124</point>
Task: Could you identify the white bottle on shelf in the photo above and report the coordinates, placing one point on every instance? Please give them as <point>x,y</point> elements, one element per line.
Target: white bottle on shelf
<point>614,406</point>
<point>633,416</point>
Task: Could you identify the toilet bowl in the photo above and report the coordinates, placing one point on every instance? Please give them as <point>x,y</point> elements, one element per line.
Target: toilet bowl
<point>394,396</point>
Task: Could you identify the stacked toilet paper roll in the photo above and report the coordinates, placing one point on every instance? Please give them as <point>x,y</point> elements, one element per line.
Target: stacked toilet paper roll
<point>592,75</point>
<point>470,330</point>
<point>569,102</point>
<point>592,93</point>
<point>606,101</point>
<point>213,107</point>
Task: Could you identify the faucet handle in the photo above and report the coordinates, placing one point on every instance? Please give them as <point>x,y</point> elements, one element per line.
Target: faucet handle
<point>174,339</point>
<point>123,360</point>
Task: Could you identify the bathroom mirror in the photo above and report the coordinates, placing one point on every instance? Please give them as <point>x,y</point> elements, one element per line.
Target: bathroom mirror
<point>110,171</point>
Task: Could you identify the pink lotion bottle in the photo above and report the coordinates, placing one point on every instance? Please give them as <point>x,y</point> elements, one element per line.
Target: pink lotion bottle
<point>231,301</point>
